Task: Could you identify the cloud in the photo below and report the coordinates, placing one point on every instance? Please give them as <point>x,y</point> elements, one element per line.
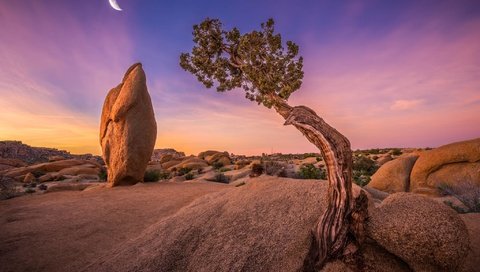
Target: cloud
<point>405,104</point>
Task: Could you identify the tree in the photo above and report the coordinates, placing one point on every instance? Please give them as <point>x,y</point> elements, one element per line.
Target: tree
<point>269,74</point>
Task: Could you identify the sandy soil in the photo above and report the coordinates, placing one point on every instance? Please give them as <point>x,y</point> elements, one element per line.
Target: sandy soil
<point>64,231</point>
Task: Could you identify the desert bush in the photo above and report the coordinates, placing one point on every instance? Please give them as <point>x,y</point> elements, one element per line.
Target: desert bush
<point>103,175</point>
<point>217,165</point>
<point>224,169</point>
<point>364,165</point>
<point>7,188</point>
<point>38,173</point>
<point>360,179</point>
<point>183,171</point>
<point>467,192</point>
<point>273,168</point>
<point>396,152</point>
<point>309,171</point>
<point>189,176</point>
<point>29,190</point>
<point>151,176</point>
<point>220,177</point>
<point>257,170</point>
<point>319,159</point>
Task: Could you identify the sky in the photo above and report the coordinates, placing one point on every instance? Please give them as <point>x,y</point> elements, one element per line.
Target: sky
<point>384,73</point>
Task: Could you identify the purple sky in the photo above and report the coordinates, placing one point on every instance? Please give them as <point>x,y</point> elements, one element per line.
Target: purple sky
<point>384,73</point>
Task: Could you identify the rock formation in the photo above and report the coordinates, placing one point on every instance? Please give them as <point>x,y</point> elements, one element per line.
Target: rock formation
<point>447,164</point>
<point>427,235</point>
<point>394,176</point>
<point>19,151</point>
<point>128,129</point>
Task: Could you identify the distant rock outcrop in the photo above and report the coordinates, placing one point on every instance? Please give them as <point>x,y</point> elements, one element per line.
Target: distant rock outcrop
<point>32,155</point>
<point>166,154</point>
<point>212,156</point>
<point>128,129</point>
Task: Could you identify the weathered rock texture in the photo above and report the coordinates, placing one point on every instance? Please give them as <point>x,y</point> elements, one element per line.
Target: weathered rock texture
<point>427,235</point>
<point>261,226</point>
<point>128,129</point>
<point>447,164</point>
<point>394,176</point>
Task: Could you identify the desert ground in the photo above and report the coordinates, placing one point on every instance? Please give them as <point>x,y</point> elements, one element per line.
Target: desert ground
<point>217,211</point>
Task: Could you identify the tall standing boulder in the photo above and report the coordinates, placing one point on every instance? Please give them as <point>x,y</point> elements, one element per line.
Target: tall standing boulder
<point>128,129</point>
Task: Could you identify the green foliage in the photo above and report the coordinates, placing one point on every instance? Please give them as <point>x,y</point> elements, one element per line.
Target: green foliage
<point>224,169</point>
<point>151,176</point>
<point>360,179</point>
<point>363,168</point>
<point>30,190</point>
<point>189,176</point>
<point>309,171</point>
<point>255,61</point>
<point>309,155</point>
<point>217,165</point>
<point>318,159</point>
<point>273,168</point>
<point>364,165</point>
<point>396,152</point>
<point>184,170</point>
<point>103,175</point>
<point>257,170</point>
<point>220,177</point>
<point>38,173</point>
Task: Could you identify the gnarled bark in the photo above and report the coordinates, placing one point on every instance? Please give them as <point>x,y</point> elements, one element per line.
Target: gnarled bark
<point>340,229</point>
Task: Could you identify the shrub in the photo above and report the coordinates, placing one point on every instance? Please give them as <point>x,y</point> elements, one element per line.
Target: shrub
<point>7,188</point>
<point>151,176</point>
<point>217,165</point>
<point>257,170</point>
<point>224,169</point>
<point>396,152</point>
<point>103,174</point>
<point>220,177</point>
<point>38,173</point>
<point>467,192</point>
<point>189,176</point>
<point>360,179</point>
<point>318,159</point>
<point>184,170</point>
<point>309,171</point>
<point>364,165</point>
<point>273,168</point>
<point>29,191</point>
<point>164,175</point>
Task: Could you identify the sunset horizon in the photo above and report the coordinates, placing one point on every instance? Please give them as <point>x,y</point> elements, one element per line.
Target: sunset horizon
<point>385,75</point>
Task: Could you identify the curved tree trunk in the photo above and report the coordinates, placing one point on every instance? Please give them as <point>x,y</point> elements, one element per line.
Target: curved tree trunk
<point>340,229</point>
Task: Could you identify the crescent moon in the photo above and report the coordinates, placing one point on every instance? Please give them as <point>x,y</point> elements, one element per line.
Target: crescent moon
<point>115,5</point>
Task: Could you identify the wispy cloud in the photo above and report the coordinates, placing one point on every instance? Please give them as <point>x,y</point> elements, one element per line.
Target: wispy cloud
<point>405,104</point>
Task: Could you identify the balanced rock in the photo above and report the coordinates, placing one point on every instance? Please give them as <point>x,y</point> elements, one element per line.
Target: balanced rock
<point>128,129</point>
<point>427,235</point>
<point>454,163</point>
<point>394,176</point>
